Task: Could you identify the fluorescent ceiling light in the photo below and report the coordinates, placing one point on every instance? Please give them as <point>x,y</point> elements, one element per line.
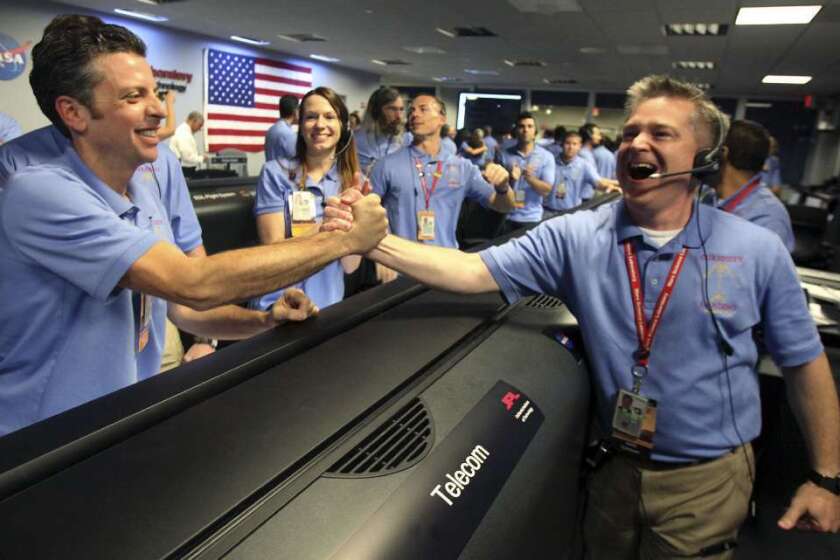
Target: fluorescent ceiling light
<point>757,105</point>
<point>592,50</point>
<point>425,50</point>
<point>707,29</point>
<point>777,15</point>
<point>324,58</point>
<point>250,41</point>
<point>693,65</point>
<point>379,62</point>
<point>446,32</point>
<point>797,80</point>
<point>477,72</point>
<point>535,108</point>
<point>140,15</point>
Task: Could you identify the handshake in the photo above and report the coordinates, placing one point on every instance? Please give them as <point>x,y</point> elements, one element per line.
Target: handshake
<point>358,215</point>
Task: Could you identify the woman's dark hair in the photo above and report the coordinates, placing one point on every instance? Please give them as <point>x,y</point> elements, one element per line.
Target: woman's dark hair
<point>345,149</point>
<point>63,60</point>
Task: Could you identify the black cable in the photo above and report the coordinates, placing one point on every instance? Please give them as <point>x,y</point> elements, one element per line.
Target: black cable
<point>725,348</point>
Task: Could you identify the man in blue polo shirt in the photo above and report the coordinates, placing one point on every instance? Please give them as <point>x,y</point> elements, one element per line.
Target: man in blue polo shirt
<point>531,169</point>
<point>686,358</point>
<point>423,189</point>
<point>575,178</point>
<point>382,130</point>
<point>86,247</point>
<point>595,152</point>
<point>741,191</point>
<point>281,138</point>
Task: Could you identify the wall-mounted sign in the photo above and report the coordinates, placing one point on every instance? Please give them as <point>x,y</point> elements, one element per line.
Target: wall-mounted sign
<point>12,57</point>
<point>172,79</point>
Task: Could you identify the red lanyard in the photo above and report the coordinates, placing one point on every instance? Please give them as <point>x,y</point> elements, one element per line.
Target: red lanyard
<point>437,175</point>
<point>646,331</point>
<point>745,192</point>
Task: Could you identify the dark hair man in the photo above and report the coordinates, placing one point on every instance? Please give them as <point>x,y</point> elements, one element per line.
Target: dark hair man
<point>575,178</point>
<point>695,364</point>
<point>531,169</point>
<point>382,130</point>
<point>281,138</point>
<point>740,190</point>
<point>595,152</point>
<point>94,248</point>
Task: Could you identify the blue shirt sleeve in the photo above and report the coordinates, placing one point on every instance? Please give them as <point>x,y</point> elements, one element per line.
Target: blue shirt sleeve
<point>530,264</point>
<point>378,179</point>
<point>185,227</point>
<point>477,188</point>
<point>272,190</point>
<point>53,220</point>
<point>590,174</point>
<point>789,330</point>
<point>547,171</point>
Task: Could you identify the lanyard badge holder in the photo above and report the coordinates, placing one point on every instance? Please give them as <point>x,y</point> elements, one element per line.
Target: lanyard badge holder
<point>426,218</point>
<point>634,417</point>
<point>304,210</point>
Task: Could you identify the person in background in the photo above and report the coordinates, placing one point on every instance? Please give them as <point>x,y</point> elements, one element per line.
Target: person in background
<point>741,191</point>
<point>559,139</point>
<point>531,170</point>
<point>575,178</point>
<point>168,128</point>
<point>491,143</point>
<point>355,120</point>
<point>291,193</point>
<point>688,360</point>
<point>594,151</point>
<point>771,172</point>
<point>184,145</point>
<point>447,140</point>
<point>281,138</point>
<point>383,128</point>
<point>474,149</point>
<point>9,128</point>
<point>423,188</point>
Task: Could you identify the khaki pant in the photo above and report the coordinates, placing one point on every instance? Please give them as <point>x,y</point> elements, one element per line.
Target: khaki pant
<point>173,350</point>
<point>648,513</point>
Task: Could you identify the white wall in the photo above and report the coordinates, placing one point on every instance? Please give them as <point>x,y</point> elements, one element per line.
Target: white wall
<point>168,50</point>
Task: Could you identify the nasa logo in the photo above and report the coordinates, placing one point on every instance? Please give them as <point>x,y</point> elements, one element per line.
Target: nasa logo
<point>12,57</point>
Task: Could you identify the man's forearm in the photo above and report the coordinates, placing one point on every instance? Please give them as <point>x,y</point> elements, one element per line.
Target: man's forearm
<point>541,187</point>
<point>438,267</point>
<point>813,397</point>
<point>503,203</point>
<point>228,322</point>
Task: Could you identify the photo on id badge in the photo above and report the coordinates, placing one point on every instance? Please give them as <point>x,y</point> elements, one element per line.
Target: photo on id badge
<point>634,419</point>
<point>304,213</point>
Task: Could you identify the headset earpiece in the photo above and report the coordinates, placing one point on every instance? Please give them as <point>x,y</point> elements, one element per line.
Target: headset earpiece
<point>705,163</point>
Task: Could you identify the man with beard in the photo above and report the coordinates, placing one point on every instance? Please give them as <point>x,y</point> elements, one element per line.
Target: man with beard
<point>382,131</point>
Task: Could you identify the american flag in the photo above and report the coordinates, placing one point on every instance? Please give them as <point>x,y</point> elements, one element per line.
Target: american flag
<point>241,97</point>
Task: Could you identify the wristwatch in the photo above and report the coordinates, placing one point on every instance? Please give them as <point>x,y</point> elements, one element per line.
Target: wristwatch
<point>204,340</point>
<point>832,484</point>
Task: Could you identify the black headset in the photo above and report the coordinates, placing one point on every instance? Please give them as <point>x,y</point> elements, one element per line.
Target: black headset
<point>706,165</point>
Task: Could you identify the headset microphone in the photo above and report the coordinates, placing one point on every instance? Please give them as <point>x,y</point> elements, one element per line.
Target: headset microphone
<point>705,169</point>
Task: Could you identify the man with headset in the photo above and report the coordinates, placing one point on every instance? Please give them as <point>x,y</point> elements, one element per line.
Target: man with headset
<point>666,292</point>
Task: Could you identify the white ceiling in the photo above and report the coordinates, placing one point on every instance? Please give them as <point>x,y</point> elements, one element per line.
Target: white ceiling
<point>361,30</point>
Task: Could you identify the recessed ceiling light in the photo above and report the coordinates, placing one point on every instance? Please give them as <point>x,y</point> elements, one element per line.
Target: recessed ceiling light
<point>151,2</point>
<point>445,79</point>
<point>477,72</point>
<point>324,58</point>
<point>592,50</point>
<point>446,32</point>
<point>778,79</point>
<point>535,108</point>
<point>757,105</point>
<point>425,50</point>
<point>140,15</point>
<point>548,111</point>
<point>379,62</point>
<point>693,65</point>
<point>776,15</point>
<point>250,40</point>
<point>695,29</point>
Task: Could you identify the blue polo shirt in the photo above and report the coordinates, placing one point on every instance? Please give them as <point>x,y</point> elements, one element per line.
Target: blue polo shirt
<point>586,153</point>
<point>771,175</point>
<point>164,176</point>
<point>280,141</point>
<point>371,147</point>
<point>579,179</point>
<point>604,162</point>
<point>68,333</point>
<point>751,281</point>
<point>762,208</point>
<point>448,147</point>
<point>542,162</point>
<point>492,146</point>
<point>556,149</point>
<point>397,181</point>
<point>9,128</point>
<point>279,179</point>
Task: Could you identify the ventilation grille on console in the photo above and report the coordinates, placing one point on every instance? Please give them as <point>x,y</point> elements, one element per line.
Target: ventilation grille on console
<point>399,443</point>
<point>545,302</point>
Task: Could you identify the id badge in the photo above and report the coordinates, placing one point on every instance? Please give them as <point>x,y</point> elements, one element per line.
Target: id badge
<point>426,225</point>
<point>142,304</point>
<point>519,199</point>
<point>303,214</point>
<point>634,421</point>
<point>560,192</point>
